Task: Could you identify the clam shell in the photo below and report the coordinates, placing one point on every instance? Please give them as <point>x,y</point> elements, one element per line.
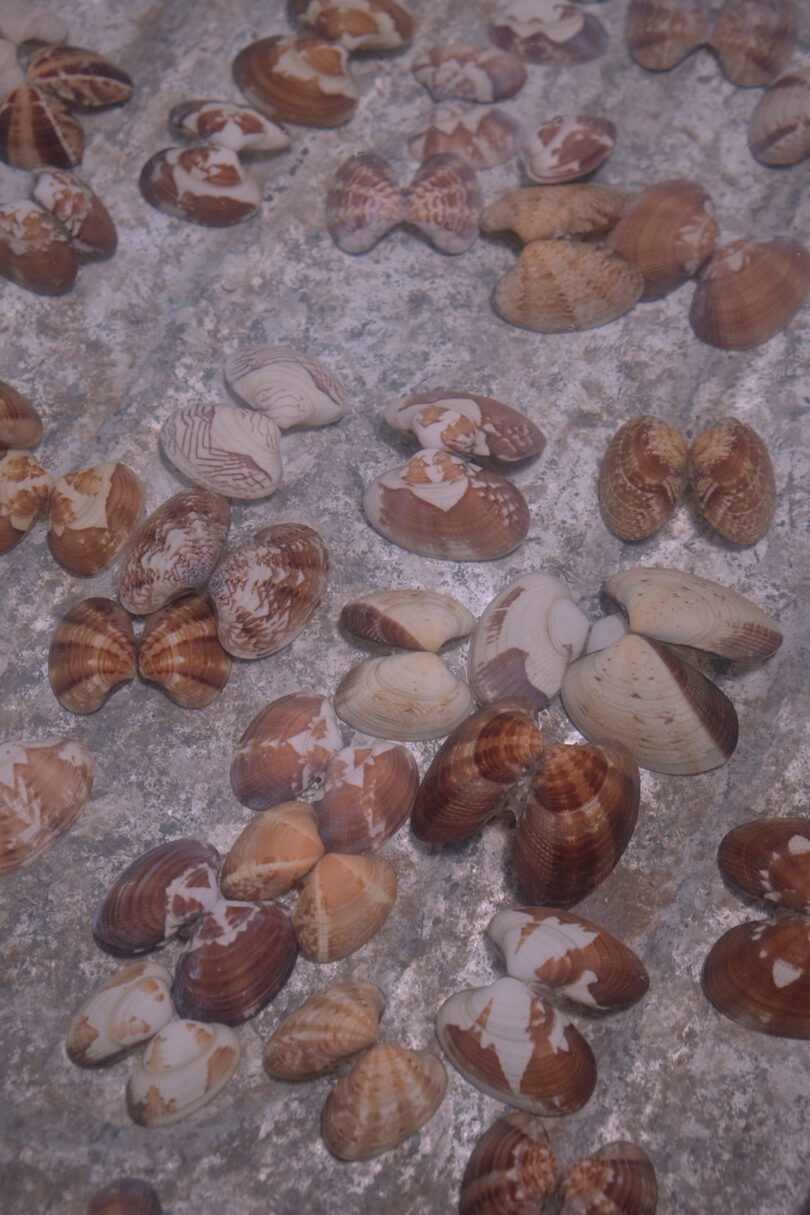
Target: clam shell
<point>470,425</point>
<point>444,202</point>
<point>618,1178</point>
<point>770,859</point>
<point>410,697</point>
<point>753,39</point>
<point>512,1168</point>
<point>363,203</point>
<point>546,31</point>
<point>367,794</point>
<point>78,209</point>
<point>481,138</point>
<point>779,126</point>
<point>660,33</point>
<point>329,1026</point>
<point>758,974</point>
<point>36,129</point>
<point>384,1099</point>
<point>734,481</point>
<point>126,1196</point>
<point>296,79</point>
<point>180,651</point>
<point>286,746</point>
<point>205,185</point>
<point>512,1046</point>
<point>91,515</point>
<point>79,77</point>
<point>35,250</point>
<point>567,147</point>
<point>24,490</point>
<point>43,786</point>
<point>291,388</point>
<point>345,900</point>
<point>183,1067</point>
<point>477,73</point>
<point>358,25</point>
<point>232,451</point>
<point>407,619</point>
<point>276,848</point>
<point>550,212</point>
<point>20,424</point>
<point>19,24</point>
<point>92,651</point>
<point>228,125</point>
<point>130,1008</point>
<point>641,477</point>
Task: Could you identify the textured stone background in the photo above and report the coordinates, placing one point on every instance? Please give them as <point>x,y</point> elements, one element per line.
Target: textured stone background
<point>723,1112</point>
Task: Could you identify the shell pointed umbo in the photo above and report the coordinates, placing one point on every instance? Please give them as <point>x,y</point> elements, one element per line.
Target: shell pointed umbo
<point>410,697</point>
<point>329,1026</point>
<point>551,212</point>
<point>291,388</point>
<point>130,1008</point>
<point>444,201</point>
<point>180,651</point>
<point>43,786</point>
<point>512,1168</point>
<point>367,793</point>
<point>286,746</point>
<point>345,900</point>
<point>734,481</point>
<point>641,477</point>
<point>20,424</point>
<point>276,848</point>
<point>92,651</point>
<point>232,451</point>
<point>769,859</point>
<point>184,1066</point>
<point>91,515</point>
<point>407,619</point>
<point>24,490</point>
<point>205,185</point>
<point>125,1196</point>
<point>297,79</point>
<point>482,428</point>
<point>364,202</point>
<point>618,1179</point>
<point>758,974</point>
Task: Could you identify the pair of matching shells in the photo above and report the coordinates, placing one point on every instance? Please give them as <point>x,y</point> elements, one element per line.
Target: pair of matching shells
<point>43,787</point>
<point>465,424</point>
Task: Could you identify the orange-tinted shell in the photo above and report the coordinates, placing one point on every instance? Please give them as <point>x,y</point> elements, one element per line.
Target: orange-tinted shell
<point>641,477</point>
<point>284,748</point>
<point>92,651</point>
<point>550,212</point>
<point>180,651</point>
<point>618,1179</point>
<point>770,859</point>
<point>512,1169</point>
<point>331,1025</point>
<point>345,900</point>
<point>758,974</point>
<point>367,793</point>
<point>276,848</point>
<point>734,481</point>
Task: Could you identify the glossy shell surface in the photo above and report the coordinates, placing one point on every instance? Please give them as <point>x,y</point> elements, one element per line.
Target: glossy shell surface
<point>641,477</point>
<point>35,250</point>
<point>345,900</point>
<point>364,201</point>
<point>758,974</point>
<point>367,793</point>
<point>297,79</point>
<point>467,424</point>
<point>329,1026</point>
<point>779,126</point>
<point>179,650</point>
<point>20,423</point>
<point>444,202</point>
<point>769,859</point>
<point>205,185</point>
<point>482,138</point>
<point>734,480</point>
<point>544,31</point>
<point>550,212</point>
<point>512,1168</point>
<point>618,1178</point>
<point>284,748</point>
<point>567,147</point>
<point>358,25</point>
<point>276,848</point>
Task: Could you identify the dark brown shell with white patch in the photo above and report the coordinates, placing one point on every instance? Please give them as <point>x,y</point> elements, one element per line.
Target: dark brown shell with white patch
<point>79,209</point>
<point>512,1169</point>
<point>779,127</point>
<point>284,748</point>
<point>205,185</point>
<point>758,974</point>
<point>92,651</point>
<point>125,1196</point>
<point>20,424</point>
<point>641,477</point>
<point>297,79</point>
<point>368,791</point>
<point>79,77</point>
<point>618,1179</point>
<point>769,859</point>
<point>36,129</point>
<point>35,251</point>
<point>180,651</point>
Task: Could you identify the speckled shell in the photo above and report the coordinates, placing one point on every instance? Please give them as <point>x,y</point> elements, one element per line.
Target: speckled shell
<point>130,1008</point>
<point>125,1196</point>
<point>444,202</point>
<point>557,951</point>
<point>297,79</point>
<point>285,747</point>
<point>758,974</point>
<point>618,1179</point>
<point>162,891</point>
<point>753,39</point>
<point>779,126</point>
<point>20,424</point>
<point>91,515</point>
<point>442,506</point>
<point>276,848</point>
<point>183,1067</point>
<point>36,129</point>
<point>641,477</point>
<point>543,31</point>
<point>180,651</point>
<point>481,138</point>
<point>579,816</point>
<point>660,33</point>
<point>480,427</point>
<point>79,77</point>
<point>345,900</point>
<point>35,251</point>
<point>367,794</point>
<point>205,185</point>
<point>329,1026</point>
<point>78,209</point>
<point>239,957</point>
<point>364,202</point>
<point>567,147</point>
<point>550,212</point>
<point>476,73</point>
<point>24,489</point>
<point>292,388</point>
<point>228,125</point>
<point>234,452</point>
<point>512,1169</point>
<point>384,1099</point>
<point>734,481</point>
<point>411,697</point>
<point>43,786</point>
<point>358,25</point>
<point>407,619</point>
<point>92,651</point>
<point>514,1047</point>
<point>769,859</point>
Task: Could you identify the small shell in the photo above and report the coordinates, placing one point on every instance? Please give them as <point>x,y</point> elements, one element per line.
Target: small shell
<point>444,201</point>
<point>550,212</point>
<point>481,138</point>
<point>296,79</point>
<point>660,33</point>
<point>35,251</point>
<point>183,1068</point>
<point>231,451</point>
<point>753,39</point>
<point>769,859</point>
<point>779,127</point>
<point>482,428</point>
<point>345,900</point>
<point>384,1099</point>
<point>92,651</point>
<point>91,515</point>
<point>329,1026</point>
<point>478,73</point>
<point>547,31</point>
<point>367,794</point>
<point>20,424</point>
<point>130,1008</point>
<point>358,25</point>
<point>512,1169</point>
<point>286,746</point>
<point>758,974</point>
<point>180,651</point>
<point>291,388</point>
<point>36,129</point>
<point>410,697</point>
<point>79,77</point>
<point>43,786</point>
<point>24,489</point>
<point>407,619</point>
<point>363,203</point>
<point>641,477</point>
<point>126,1196</point>
<point>228,125</point>
<point>205,184</point>
<point>78,209</point>
<point>276,848</point>
<point>618,1179</point>
<point>734,481</point>
<point>567,147</point>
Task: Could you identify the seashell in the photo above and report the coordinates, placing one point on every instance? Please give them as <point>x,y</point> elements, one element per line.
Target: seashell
<point>367,794</point>
<point>344,901</point>
<point>734,481</point>
<point>660,33</point>
<point>753,39</point>
<point>163,891</point>
<point>559,286</point>
<point>567,147</point>
<point>11,74</point>
<point>770,859</point>
<point>363,203</point>
<point>579,816</point>
<point>36,129</point>
<point>779,126</point>
<point>91,515</point>
<point>78,209</point>
<point>125,1196</point>
<point>24,489</point>
<point>441,506</point>
<point>276,848</point>
<point>483,427</point>
<point>92,651</point>
<point>35,251</point>
<point>758,974</point>
<point>20,424</point>
<point>19,24</point>
<point>605,631</point>
<point>407,619</point>
<point>183,1068</point>
<point>179,650</point>
<point>641,477</point>
<point>476,772</point>
<point>524,640</point>
<point>476,73</point>
<point>174,550</point>
<point>481,138</point>
<point>239,957</point>
<point>292,388</point>
<point>299,80</point>
<point>555,950</point>
<point>618,1178</point>
<point>229,450</point>
<point>358,25</point>
<point>382,1101</point>
<point>286,746</point>
<point>514,1047</point>
<point>410,697</point>
<point>228,125</point>
<point>644,695</point>
<point>79,77</point>
<point>205,184</point>
<point>550,212</point>
<point>512,1168</point>
<point>43,786</point>
<point>547,31</point>
<point>130,1008</point>
<point>748,291</point>
<point>444,201</point>
<point>669,231</point>
<point>685,609</point>
<point>329,1026</point>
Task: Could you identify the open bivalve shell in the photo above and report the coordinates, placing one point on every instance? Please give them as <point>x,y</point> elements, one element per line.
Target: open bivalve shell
<point>552,212</point>
<point>512,1169</point>
<point>734,481</point>
<point>367,793</point>
<point>232,451</point>
<point>363,202</point>
<point>345,900</point>
<point>618,1179</point>
<point>758,974</point>
<point>331,1025</point>
<point>205,185</point>
<point>125,1196</point>
<point>641,477</point>
<point>286,746</point>
<point>228,125</point>
<point>276,848</point>
<point>43,786</point>
<point>20,423</point>
<point>130,1008</point>
<point>482,428</point>
<point>509,1044</point>
<point>180,651</point>
<point>477,73</point>
<point>24,489</point>
<point>291,388</point>
<point>770,859</point>
<point>184,1066</point>
<point>407,619</point>
<point>297,79</point>
<point>359,25</point>
<point>92,651</point>
<point>91,515</point>
<point>384,1099</point>
<point>546,31</point>
<point>410,697</point>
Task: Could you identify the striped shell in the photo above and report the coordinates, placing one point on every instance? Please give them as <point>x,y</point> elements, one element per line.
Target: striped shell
<point>769,859</point>
<point>329,1026</point>
<point>180,651</point>
<point>92,651</point>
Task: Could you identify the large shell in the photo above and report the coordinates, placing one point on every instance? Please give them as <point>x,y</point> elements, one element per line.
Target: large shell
<point>367,794</point>
<point>78,209</point>
<point>299,80</point>
<point>512,1169</point>
<point>184,1066</point>
<point>758,974</point>
<point>641,477</point>
<point>276,848</point>
<point>779,126</point>
<point>285,747</point>
<point>229,125</point>
<point>130,1008</point>
<point>329,1026</point>
<point>43,786</point>
<point>35,250</point>
<point>550,212</point>
<point>660,33</point>
<point>205,184</point>
<point>24,489</point>
<point>410,697</point>
<point>20,424</point>
<point>359,25</point>
<point>407,619</point>
<point>469,425</point>
<point>232,451</point>
<point>344,902</point>
<point>79,77</point>
<point>547,31</point>
<point>753,39</point>
<point>481,138</point>
<point>180,651</point>
<point>734,481</point>
<point>383,1100</point>
<point>514,1047</point>
<point>92,651</point>
<point>36,129</point>
<point>444,202</point>
<point>567,147</point>
<point>770,859</point>
<point>476,73</point>
<point>364,202</point>
<point>291,388</point>
<point>125,1196</point>
<point>618,1179</point>
<point>91,515</point>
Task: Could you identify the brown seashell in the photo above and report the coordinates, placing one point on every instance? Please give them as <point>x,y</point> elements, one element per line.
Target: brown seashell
<point>20,424</point>
<point>480,427</point>
<point>179,650</point>
<point>285,747</point>
<point>276,848</point>
<point>24,489</point>
<point>239,957</point>
<point>758,974</point>
<point>130,1008</point>
<point>329,1026</point>
<point>367,794</point>
<point>549,32</point>
<point>660,33</point>
<point>363,203</point>
<point>753,39</point>
<point>481,138</point>
<point>407,619</point>
<point>35,251</point>
<point>79,77</point>
<point>618,1178</point>
<point>748,291</point>
<point>567,147</point>
<point>182,1068</point>
<point>358,25</point>
<point>161,892</point>
<point>91,515</point>
<point>512,1169</point>
<point>779,127</point>
<point>43,786</point>
<point>92,651</point>
<point>205,184</point>
<point>296,79</point>
<point>641,477</point>
<point>345,900</point>
<point>228,125</point>
<point>769,859</point>
<point>78,209</point>
<point>125,1196</point>
<point>384,1099</point>
<point>550,212</point>
<point>478,73</point>
<point>734,481</point>
<point>444,201</point>
<point>36,129</point>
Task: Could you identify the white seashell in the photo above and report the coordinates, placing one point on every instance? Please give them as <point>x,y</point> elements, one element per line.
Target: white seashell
<point>183,1067</point>
<point>130,1008</point>
<point>228,450</point>
<point>292,388</point>
<point>11,74</point>
<point>605,631</point>
<point>410,697</point>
